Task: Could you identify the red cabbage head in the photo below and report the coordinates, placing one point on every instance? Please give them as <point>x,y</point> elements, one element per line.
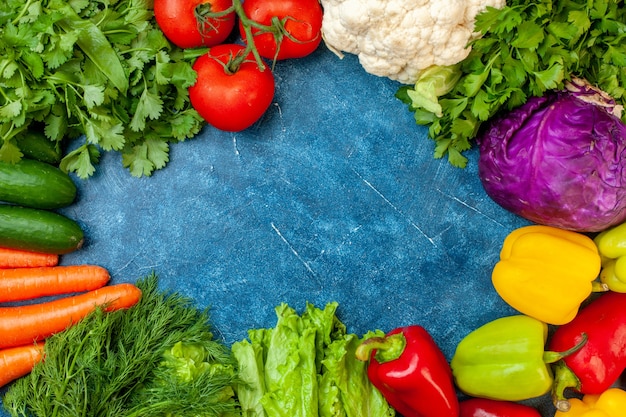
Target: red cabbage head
<point>559,159</point>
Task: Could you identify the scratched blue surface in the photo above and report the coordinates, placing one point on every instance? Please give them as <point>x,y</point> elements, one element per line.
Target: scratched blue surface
<point>333,196</point>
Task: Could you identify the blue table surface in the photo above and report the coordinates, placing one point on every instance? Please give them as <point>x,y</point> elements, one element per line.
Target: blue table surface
<point>334,195</point>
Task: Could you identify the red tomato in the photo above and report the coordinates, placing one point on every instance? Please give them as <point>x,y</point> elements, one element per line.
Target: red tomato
<point>230,101</point>
<point>185,24</point>
<point>302,19</point>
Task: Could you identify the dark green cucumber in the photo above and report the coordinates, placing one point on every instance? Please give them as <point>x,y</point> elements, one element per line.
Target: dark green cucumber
<point>35,184</point>
<point>35,145</point>
<point>38,230</point>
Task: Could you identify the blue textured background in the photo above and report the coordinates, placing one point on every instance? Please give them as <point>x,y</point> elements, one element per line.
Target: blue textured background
<point>333,196</point>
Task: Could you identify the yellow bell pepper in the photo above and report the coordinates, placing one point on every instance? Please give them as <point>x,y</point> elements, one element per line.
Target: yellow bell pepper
<point>546,272</point>
<point>611,403</point>
<point>612,247</point>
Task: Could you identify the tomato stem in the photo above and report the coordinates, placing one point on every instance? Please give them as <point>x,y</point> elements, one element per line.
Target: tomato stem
<point>205,17</point>
<point>247,25</point>
<point>277,28</point>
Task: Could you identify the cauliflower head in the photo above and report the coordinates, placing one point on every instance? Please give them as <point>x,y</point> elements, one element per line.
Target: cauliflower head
<point>400,38</point>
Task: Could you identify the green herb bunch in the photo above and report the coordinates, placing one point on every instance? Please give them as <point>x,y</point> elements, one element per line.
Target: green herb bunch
<point>525,49</point>
<point>100,69</point>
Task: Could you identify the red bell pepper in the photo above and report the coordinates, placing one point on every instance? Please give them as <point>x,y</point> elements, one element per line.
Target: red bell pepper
<point>411,372</point>
<point>483,407</point>
<point>598,364</point>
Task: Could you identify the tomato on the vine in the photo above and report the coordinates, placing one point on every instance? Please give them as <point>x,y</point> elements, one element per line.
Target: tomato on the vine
<point>231,99</point>
<point>302,22</point>
<point>193,23</point>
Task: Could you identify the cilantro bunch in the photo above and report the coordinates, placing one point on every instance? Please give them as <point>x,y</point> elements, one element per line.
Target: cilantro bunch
<point>97,69</point>
<point>526,48</point>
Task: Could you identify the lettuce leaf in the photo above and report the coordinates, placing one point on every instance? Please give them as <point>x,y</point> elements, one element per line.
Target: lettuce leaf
<point>305,367</point>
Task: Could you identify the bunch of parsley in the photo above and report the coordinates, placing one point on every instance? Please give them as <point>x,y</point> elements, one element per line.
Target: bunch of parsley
<point>97,69</point>
<point>526,48</point>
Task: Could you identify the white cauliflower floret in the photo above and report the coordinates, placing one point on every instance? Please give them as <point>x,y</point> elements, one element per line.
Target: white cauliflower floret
<point>400,38</point>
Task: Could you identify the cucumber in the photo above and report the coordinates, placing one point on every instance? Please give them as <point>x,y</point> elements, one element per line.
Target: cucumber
<point>38,230</point>
<point>35,184</point>
<point>35,145</point>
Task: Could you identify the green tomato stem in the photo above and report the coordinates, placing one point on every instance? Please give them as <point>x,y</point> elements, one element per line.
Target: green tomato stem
<point>247,25</point>
<point>277,29</point>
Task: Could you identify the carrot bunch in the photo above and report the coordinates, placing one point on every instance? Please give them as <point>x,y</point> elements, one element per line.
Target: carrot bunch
<point>28,275</point>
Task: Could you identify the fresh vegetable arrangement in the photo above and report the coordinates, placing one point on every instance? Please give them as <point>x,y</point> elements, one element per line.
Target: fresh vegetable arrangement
<point>525,50</point>
<point>106,71</point>
<point>156,358</point>
<point>34,236</point>
<point>161,358</point>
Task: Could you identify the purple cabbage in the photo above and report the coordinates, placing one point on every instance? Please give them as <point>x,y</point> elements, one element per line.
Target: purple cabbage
<point>559,160</point>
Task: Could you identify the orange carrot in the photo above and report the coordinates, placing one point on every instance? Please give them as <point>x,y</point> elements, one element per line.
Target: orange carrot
<point>17,258</point>
<point>18,361</point>
<point>26,283</point>
<point>21,325</point>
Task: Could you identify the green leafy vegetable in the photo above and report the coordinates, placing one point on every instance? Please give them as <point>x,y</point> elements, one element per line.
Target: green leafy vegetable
<point>526,49</point>
<point>344,378</point>
<point>305,367</point>
<point>99,69</point>
<point>157,358</point>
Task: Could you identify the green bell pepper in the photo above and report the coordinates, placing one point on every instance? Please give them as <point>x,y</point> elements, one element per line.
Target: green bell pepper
<point>505,360</point>
<point>612,248</point>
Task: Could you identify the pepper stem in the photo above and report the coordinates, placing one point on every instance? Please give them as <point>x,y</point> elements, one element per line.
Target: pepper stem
<point>597,286</point>
<point>388,348</point>
<point>552,357</point>
<point>564,378</point>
